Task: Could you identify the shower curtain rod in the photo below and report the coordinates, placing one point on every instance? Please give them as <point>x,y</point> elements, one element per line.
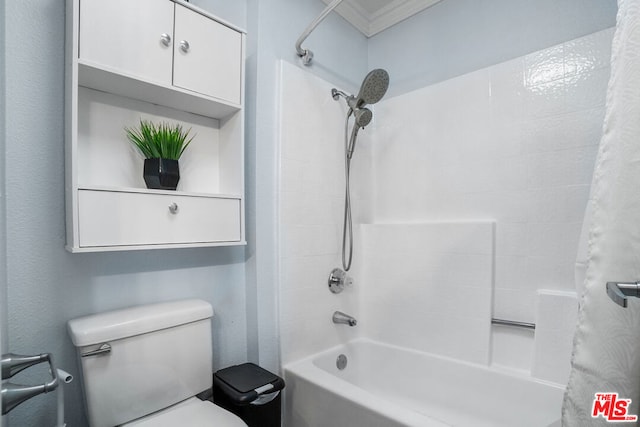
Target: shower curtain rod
<point>306,54</point>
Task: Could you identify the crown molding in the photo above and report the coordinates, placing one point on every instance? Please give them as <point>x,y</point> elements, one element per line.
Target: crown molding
<point>370,23</point>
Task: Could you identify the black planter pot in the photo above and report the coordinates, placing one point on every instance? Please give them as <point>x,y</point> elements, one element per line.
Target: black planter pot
<point>161,174</point>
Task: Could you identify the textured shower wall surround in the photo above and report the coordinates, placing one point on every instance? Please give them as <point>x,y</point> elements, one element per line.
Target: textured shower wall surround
<point>513,144</point>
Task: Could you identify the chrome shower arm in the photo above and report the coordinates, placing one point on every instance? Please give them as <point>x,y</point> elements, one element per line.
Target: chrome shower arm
<point>306,54</point>
<point>336,94</point>
<point>351,100</point>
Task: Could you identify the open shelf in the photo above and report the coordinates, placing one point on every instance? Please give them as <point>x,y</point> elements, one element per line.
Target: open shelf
<point>108,80</point>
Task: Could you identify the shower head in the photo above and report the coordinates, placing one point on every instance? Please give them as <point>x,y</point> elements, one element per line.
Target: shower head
<point>373,88</point>
<point>363,117</point>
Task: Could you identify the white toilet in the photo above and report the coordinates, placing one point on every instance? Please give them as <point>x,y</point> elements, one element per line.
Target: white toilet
<point>143,366</point>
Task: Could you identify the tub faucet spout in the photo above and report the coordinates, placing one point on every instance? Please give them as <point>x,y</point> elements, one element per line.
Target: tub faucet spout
<point>340,317</point>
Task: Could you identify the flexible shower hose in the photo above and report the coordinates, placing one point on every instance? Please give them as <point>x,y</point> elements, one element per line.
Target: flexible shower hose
<point>347,236</point>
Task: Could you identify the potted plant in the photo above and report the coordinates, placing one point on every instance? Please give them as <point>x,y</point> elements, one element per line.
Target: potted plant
<point>162,145</point>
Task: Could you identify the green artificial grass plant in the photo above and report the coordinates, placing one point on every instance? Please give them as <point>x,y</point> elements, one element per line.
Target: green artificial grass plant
<point>163,141</point>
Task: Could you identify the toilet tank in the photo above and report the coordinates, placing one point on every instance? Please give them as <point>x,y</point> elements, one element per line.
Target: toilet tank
<point>142,359</point>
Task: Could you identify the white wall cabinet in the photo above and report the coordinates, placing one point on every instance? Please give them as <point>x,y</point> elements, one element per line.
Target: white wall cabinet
<point>159,60</point>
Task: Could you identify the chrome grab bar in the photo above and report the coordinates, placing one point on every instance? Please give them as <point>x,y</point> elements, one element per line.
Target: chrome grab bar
<point>15,394</point>
<point>619,291</point>
<point>514,323</point>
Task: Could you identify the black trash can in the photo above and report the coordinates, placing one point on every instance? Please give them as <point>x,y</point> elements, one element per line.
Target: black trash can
<point>250,392</point>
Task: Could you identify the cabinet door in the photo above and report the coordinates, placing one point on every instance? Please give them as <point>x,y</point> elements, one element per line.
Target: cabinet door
<point>134,37</point>
<point>207,56</point>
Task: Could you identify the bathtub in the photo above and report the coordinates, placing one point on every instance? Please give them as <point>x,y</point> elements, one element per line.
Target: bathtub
<point>389,386</point>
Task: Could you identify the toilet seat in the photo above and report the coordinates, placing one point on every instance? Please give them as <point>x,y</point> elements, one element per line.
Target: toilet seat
<point>192,412</point>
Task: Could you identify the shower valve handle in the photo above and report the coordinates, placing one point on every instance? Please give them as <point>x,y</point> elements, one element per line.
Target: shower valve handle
<point>338,280</point>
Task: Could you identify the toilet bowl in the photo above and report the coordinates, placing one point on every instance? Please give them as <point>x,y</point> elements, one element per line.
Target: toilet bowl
<point>143,366</point>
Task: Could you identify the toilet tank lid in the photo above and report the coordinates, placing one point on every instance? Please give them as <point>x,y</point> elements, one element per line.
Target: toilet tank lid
<point>128,322</point>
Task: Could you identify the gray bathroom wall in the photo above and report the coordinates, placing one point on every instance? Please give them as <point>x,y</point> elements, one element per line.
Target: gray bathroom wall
<point>455,37</point>
<point>47,285</point>
<point>234,12</point>
<point>3,230</point>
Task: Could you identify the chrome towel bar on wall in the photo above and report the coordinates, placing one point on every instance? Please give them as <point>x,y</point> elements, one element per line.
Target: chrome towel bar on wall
<point>15,394</point>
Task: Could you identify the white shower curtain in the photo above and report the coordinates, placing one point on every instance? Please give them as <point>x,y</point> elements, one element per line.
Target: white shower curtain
<point>606,353</point>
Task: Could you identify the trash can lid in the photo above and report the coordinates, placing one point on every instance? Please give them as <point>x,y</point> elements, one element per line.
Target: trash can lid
<point>244,383</point>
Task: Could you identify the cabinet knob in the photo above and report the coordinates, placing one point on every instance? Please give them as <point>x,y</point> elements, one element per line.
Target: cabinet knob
<point>184,46</point>
<point>165,39</point>
<point>173,208</point>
